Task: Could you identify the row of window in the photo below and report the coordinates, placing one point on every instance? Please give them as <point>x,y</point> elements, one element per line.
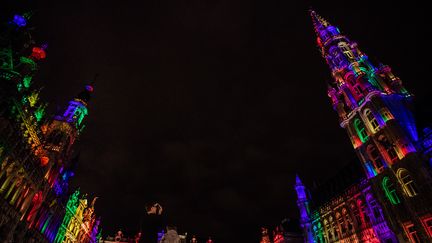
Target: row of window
<point>361,214</point>
<point>411,230</point>
<point>372,121</point>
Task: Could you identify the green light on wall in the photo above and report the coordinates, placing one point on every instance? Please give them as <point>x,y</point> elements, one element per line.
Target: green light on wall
<point>361,130</point>
<point>390,191</point>
<point>39,113</point>
<point>27,81</point>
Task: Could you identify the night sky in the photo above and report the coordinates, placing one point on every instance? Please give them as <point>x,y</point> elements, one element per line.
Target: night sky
<point>211,107</point>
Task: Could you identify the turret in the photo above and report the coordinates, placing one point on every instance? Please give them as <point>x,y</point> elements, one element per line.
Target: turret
<point>65,128</point>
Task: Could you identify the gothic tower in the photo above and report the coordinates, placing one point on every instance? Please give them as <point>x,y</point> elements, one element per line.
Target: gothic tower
<point>374,108</point>
<point>303,205</point>
<point>61,132</point>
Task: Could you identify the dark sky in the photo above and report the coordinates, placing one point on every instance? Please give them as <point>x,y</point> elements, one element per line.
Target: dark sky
<point>211,107</point>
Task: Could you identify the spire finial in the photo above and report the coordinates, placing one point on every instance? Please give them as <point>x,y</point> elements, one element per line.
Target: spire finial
<point>94,79</point>
<point>319,22</point>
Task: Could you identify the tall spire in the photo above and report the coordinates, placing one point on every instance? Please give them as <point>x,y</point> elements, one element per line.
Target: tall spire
<point>325,32</point>
<point>319,22</point>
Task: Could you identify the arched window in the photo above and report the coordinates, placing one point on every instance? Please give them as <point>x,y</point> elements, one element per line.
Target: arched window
<point>356,214</point>
<point>332,229</point>
<point>372,120</point>
<point>340,222</point>
<point>386,115</point>
<point>328,234</point>
<point>374,207</point>
<point>361,131</point>
<point>346,50</point>
<point>390,191</point>
<point>389,147</point>
<point>407,182</point>
<point>348,220</point>
<point>375,157</point>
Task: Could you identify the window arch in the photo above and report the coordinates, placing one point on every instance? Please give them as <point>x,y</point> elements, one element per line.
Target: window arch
<point>390,191</point>
<point>407,182</point>
<point>363,211</point>
<point>386,115</point>
<point>375,157</point>
<point>361,130</point>
<point>374,125</point>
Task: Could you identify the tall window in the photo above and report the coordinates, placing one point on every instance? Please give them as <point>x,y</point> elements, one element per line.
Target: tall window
<point>390,191</point>
<point>328,235</point>
<point>375,157</point>
<point>407,182</point>
<point>374,208</point>
<point>389,147</point>
<point>356,214</point>
<point>348,220</point>
<point>333,228</point>
<point>360,128</point>
<point>340,222</point>
<point>363,211</point>
<point>412,233</point>
<point>372,120</point>
<point>427,223</point>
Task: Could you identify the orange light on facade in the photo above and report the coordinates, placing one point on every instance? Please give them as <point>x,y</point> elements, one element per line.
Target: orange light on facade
<point>44,160</point>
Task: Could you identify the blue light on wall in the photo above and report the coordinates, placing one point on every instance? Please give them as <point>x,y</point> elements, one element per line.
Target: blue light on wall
<point>19,20</point>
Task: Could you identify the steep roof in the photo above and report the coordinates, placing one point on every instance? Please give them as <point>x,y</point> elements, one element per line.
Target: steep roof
<point>348,176</point>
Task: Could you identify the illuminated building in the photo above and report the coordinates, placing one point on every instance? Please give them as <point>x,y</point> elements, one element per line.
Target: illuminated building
<point>36,151</point>
<point>80,223</point>
<point>387,197</point>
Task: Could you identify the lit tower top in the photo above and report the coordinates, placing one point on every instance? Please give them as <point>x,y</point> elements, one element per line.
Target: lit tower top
<point>336,48</point>
<point>77,108</point>
<point>355,78</point>
<point>65,128</point>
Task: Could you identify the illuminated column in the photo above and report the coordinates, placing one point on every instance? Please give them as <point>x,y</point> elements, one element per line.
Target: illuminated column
<point>71,208</point>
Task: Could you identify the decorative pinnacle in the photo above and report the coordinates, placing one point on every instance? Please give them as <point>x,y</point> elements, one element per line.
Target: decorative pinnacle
<point>319,22</point>
<point>298,181</point>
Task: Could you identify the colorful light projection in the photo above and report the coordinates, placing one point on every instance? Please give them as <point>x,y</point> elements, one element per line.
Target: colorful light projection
<point>71,208</point>
<point>390,191</point>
